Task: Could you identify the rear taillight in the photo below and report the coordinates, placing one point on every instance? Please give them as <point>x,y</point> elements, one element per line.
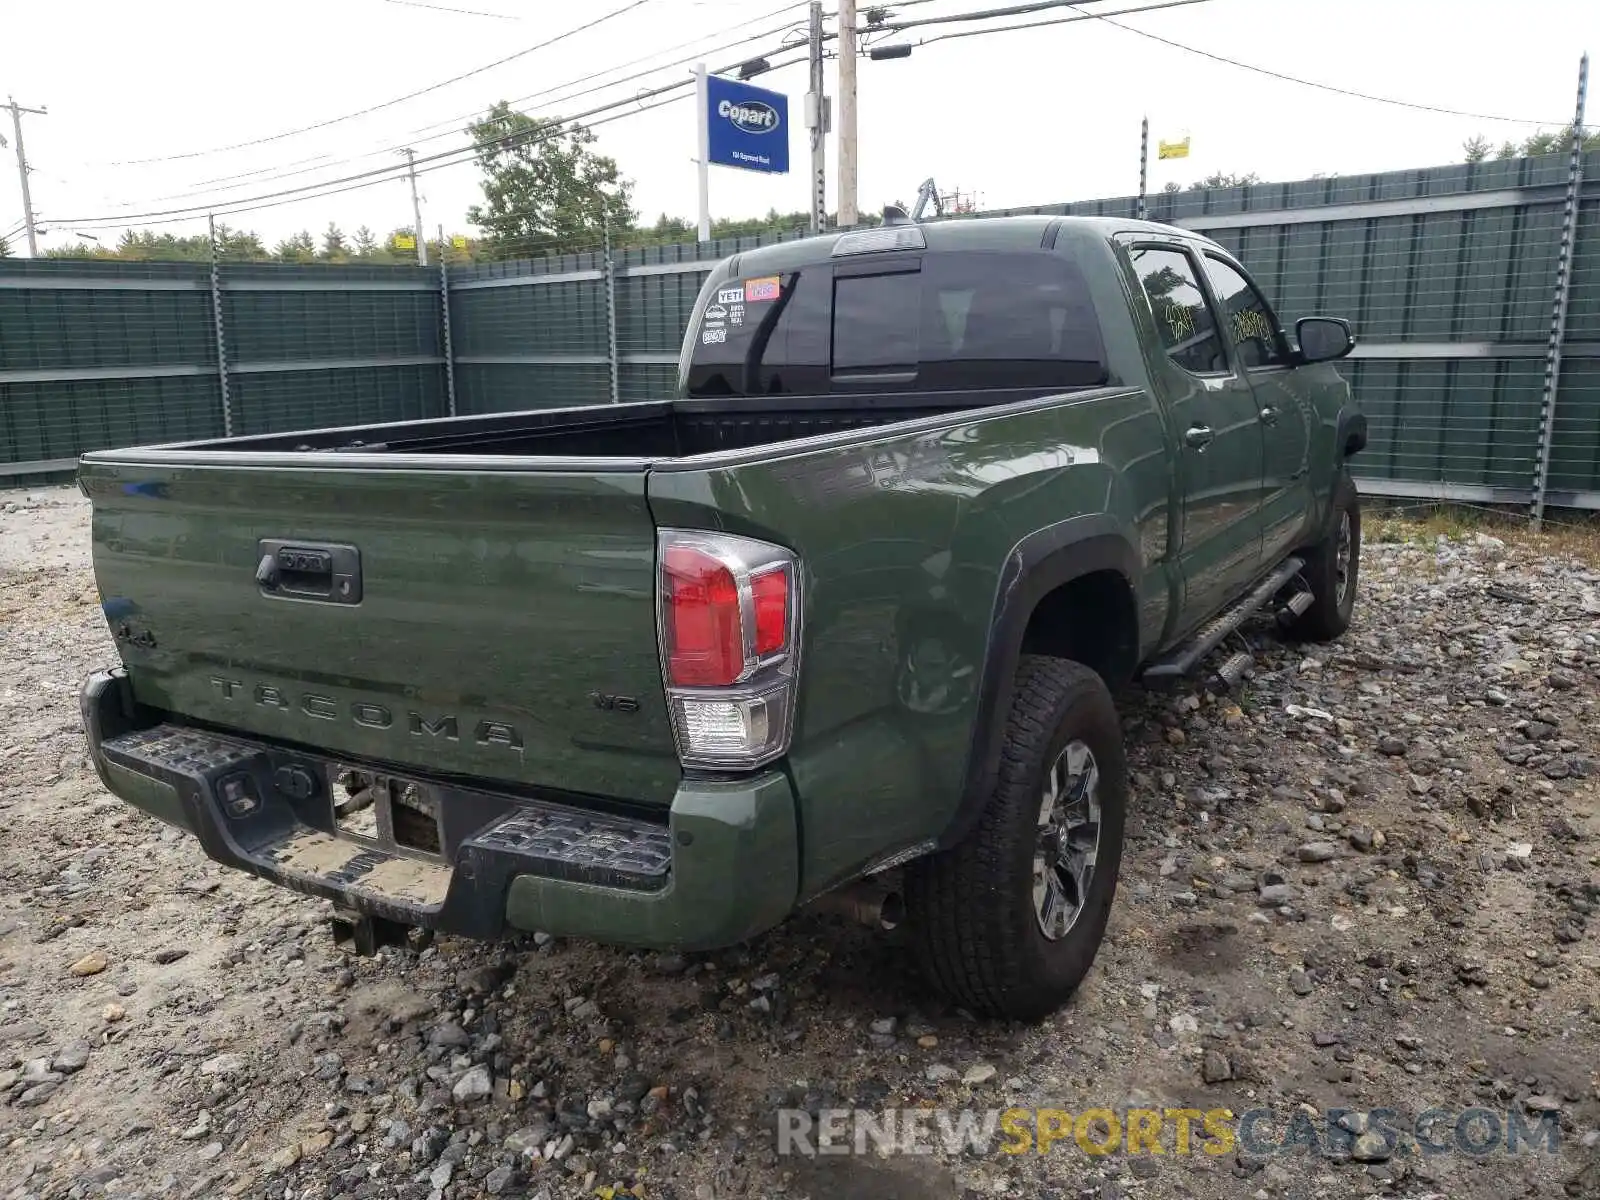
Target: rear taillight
<point>729,626</point>
<point>703,634</point>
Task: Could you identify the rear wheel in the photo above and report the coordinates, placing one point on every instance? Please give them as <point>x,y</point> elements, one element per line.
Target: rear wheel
<point>1007,922</point>
<point>1332,567</point>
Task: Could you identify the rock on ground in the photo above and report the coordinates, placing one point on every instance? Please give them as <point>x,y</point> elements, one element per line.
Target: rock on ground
<point>1367,880</point>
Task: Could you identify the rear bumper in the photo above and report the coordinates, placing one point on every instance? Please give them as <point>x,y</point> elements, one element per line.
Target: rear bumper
<point>723,867</point>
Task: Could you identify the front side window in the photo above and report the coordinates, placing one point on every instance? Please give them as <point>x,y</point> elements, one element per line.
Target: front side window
<point>1250,323</point>
<point>1183,318</point>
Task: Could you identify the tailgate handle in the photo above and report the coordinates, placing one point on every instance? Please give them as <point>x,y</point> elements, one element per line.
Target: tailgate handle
<point>323,572</point>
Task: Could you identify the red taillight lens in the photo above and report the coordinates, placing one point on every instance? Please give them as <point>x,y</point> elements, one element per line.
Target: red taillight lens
<point>705,644</point>
<point>730,613</point>
<point>771,592</point>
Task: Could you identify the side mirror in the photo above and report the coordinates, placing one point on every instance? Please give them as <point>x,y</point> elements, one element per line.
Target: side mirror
<point>1323,339</point>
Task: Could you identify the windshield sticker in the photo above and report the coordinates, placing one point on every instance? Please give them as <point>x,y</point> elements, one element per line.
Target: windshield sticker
<point>757,290</point>
<point>736,314</point>
<point>730,295</point>
<point>715,314</point>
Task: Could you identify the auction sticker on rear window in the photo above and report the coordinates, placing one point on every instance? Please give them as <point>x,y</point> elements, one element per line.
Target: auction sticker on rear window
<point>757,290</point>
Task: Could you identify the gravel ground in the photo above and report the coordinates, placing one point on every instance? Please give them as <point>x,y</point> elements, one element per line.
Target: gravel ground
<point>1368,881</point>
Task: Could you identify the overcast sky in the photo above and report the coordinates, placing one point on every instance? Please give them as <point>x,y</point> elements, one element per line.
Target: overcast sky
<point>1040,116</point>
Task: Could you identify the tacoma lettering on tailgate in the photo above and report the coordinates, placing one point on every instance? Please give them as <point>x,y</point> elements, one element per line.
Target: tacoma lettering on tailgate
<point>366,713</point>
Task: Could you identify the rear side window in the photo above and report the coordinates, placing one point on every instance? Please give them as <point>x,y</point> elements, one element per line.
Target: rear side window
<point>1183,318</point>
<point>945,321</point>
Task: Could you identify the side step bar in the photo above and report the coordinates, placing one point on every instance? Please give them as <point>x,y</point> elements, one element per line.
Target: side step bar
<point>1183,658</point>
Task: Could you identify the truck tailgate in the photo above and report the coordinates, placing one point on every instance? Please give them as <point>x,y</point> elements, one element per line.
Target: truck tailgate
<point>502,625</point>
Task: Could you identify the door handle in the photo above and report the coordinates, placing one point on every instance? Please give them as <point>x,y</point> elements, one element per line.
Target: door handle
<point>1198,437</point>
<point>1269,415</point>
<point>317,571</point>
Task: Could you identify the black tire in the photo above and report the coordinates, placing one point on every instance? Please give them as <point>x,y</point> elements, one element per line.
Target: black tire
<point>1332,605</point>
<point>971,909</point>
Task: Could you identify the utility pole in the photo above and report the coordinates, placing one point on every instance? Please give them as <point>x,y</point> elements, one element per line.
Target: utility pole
<point>817,121</point>
<point>702,106</point>
<point>416,207</point>
<point>847,114</point>
<point>22,170</point>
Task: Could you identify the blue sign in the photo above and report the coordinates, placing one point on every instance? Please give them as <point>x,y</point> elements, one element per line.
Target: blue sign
<point>749,126</point>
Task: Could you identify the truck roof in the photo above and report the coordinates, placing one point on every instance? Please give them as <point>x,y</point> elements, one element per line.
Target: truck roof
<point>976,233</point>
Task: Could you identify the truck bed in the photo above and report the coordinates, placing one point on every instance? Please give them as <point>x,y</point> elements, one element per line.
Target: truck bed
<point>643,433</point>
<point>475,599</point>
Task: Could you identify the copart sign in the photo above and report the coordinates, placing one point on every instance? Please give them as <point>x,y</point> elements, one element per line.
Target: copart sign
<point>748,126</point>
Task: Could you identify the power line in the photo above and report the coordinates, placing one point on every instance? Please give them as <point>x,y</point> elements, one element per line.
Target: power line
<point>458,154</point>
<point>460,12</point>
<point>105,223</point>
<point>440,161</point>
<point>642,58</point>
<point>433,87</point>
<point>1310,83</point>
<point>315,158</point>
<point>986,14</point>
<point>446,158</point>
<point>1080,16</point>
<point>452,126</point>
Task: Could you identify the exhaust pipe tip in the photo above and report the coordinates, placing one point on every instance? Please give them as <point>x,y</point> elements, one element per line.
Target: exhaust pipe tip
<point>869,904</point>
<point>892,912</point>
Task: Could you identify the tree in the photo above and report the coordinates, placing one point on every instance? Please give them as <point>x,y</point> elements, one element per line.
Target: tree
<point>544,189</point>
<point>1477,149</point>
<point>1224,179</point>
<point>773,222</point>
<point>233,245</point>
<point>333,244</point>
<point>366,242</point>
<point>5,248</point>
<point>299,247</point>
<point>238,245</point>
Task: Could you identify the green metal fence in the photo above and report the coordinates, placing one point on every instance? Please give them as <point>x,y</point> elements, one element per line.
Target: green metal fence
<point>100,354</point>
<point>1447,273</point>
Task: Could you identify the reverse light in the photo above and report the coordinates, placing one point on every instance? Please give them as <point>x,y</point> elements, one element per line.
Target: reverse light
<point>728,611</point>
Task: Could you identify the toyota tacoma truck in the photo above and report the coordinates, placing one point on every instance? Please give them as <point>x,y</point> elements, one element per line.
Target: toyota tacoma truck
<point>845,615</point>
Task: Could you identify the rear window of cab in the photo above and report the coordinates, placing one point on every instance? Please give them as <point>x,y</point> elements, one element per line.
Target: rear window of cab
<point>957,320</point>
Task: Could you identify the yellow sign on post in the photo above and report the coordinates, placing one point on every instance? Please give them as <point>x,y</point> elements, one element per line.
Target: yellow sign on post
<point>405,241</point>
<point>1173,149</point>
<point>458,241</point>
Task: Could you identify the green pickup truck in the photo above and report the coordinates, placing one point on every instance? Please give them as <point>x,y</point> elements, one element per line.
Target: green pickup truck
<point>840,624</point>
